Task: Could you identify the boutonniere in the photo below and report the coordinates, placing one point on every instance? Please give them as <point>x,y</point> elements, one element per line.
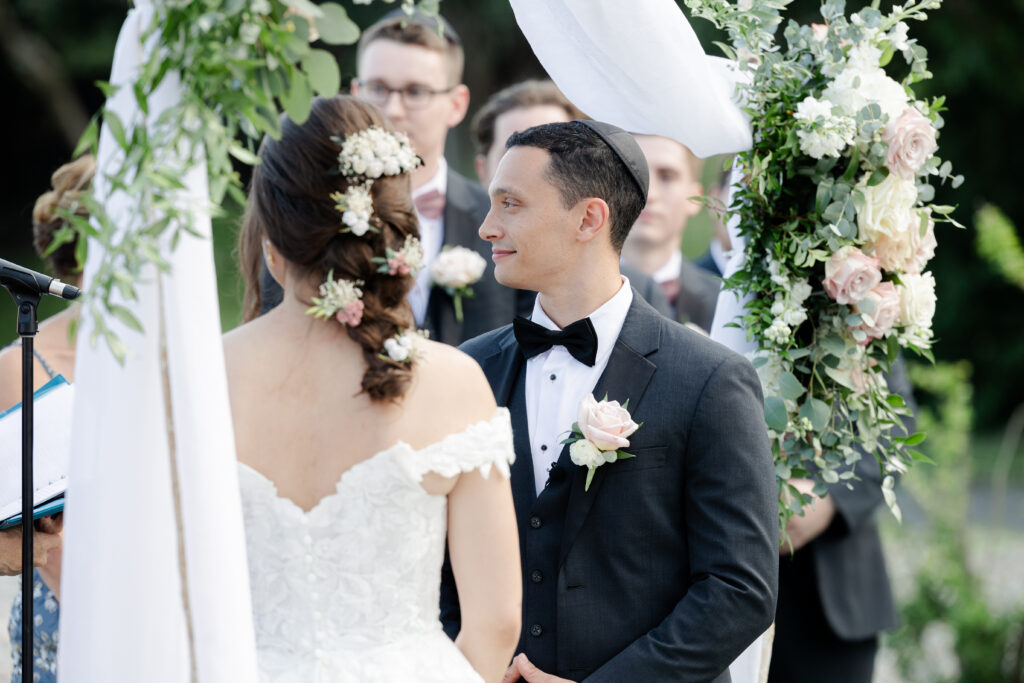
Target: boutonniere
<point>599,434</point>
<point>456,270</point>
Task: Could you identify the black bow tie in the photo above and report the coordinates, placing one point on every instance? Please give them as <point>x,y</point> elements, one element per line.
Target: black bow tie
<point>579,339</point>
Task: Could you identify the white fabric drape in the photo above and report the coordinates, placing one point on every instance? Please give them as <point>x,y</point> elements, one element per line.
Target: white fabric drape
<point>639,65</point>
<point>123,602</point>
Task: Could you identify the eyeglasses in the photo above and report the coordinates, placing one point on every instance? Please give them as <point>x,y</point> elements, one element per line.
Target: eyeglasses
<point>413,96</point>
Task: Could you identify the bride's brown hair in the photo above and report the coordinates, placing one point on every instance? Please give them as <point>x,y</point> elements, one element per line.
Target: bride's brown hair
<point>290,204</point>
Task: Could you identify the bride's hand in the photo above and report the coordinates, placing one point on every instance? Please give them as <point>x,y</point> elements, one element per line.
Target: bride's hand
<point>10,549</point>
<point>523,669</point>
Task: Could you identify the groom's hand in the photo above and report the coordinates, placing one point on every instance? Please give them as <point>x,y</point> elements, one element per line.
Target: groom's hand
<point>522,669</point>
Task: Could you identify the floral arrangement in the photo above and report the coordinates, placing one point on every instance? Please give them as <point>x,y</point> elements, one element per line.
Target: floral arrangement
<point>340,299</point>
<point>456,270</point>
<point>838,222</point>
<point>355,205</point>
<point>602,429</point>
<point>406,261</point>
<point>402,348</point>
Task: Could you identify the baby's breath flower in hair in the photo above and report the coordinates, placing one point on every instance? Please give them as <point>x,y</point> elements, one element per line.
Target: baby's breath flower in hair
<point>406,261</point>
<point>340,299</point>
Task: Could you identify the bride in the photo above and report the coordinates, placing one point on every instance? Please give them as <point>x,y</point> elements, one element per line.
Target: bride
<point>360,443</point>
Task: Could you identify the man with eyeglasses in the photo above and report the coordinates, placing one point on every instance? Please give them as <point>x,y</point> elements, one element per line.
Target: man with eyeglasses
<point>413,72</point>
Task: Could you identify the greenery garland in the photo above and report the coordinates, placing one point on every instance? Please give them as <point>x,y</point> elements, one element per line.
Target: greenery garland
<point>836,211</point>
<point>241,63</point>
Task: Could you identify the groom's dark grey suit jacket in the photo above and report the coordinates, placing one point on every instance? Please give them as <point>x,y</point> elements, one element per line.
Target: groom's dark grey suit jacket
<point>667,568</point>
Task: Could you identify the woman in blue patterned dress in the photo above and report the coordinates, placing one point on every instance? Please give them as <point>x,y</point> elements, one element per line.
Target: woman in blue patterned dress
<point>55,354</point>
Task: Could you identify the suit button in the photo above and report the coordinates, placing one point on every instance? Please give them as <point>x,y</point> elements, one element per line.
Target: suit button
<point>535,522</point>
<point>536,630</point>
<point>536,576</point>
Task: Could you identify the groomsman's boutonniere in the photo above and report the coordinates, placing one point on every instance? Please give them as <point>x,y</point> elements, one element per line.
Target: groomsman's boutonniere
<point>456,270</point>
<point>599,434</point>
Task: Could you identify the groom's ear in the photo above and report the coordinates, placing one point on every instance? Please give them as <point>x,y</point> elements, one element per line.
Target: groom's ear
<point>594,219</point>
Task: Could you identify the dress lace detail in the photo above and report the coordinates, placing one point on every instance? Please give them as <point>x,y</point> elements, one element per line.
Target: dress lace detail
<point>349,590</point>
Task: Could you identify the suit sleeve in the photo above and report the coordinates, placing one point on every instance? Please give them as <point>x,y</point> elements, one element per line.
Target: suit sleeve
<point>732,527</point>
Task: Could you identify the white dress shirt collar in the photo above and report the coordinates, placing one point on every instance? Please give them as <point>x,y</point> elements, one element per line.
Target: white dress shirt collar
<point>671,270</point>
<point>438,182</point>
<point>607,319</point>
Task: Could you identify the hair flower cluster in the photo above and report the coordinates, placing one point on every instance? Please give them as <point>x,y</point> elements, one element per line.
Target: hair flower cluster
<point>402,348</point>
<point>356,208</point>
<point>374,152</point>
<point>341,299</point>
<point>406,261</point>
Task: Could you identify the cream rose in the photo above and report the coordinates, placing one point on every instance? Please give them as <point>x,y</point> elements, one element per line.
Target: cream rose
<point>911,140</point>
<point>879,310</point>
<point>457,267</point>
<point>908,251</point>
<point>917,300</point>
<point>605,424</point>
<point>886,207</point>
<point>850,274</point>
<point>586,454</point>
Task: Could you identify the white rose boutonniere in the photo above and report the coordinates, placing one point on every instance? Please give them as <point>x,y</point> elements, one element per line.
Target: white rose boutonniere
<point>601,431</point>
<point>456,270</point>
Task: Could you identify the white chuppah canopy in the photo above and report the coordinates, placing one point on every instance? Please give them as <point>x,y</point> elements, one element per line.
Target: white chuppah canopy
<point>639,65</point>
<point>155,585</point>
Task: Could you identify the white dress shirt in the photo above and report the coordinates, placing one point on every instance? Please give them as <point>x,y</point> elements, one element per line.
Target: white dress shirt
<point>556,382</point>
<point>431,239</point>
<point>671,270</point>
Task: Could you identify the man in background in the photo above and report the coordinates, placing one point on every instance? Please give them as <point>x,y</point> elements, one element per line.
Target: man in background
<point>654,245</point>
<point>522,106</point>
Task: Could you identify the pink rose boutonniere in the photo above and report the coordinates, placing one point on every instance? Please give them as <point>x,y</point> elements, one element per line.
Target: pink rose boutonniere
<point>600,433</point>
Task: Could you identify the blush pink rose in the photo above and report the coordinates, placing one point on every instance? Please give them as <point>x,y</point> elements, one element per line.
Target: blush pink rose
<point>605,424</point>
<point>850,274</point>
<point>911,140</point>
<point>883,316</point>
<point>398,266</point>
<point>352,314</point>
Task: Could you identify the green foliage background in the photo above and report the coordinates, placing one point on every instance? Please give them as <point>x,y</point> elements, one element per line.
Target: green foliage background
<point>974,53</point>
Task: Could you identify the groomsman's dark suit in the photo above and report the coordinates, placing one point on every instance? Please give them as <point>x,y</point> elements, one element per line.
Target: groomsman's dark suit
<point>696,295</point>
<point>834,595</point>
<point>666,569</point>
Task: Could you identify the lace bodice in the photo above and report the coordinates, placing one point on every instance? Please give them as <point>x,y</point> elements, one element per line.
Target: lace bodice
<point>335,588</point>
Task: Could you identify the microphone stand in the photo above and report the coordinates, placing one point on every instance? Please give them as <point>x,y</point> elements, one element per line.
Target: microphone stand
<point>28,325</point>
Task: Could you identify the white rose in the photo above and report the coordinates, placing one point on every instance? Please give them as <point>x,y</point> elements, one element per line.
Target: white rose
<point>585,454</point>
<point>872,85</point>
<point>458,267</point>
<point>374,169</point>
<point>886,206</point>
<point>396,350</point>
<point>917,300</point>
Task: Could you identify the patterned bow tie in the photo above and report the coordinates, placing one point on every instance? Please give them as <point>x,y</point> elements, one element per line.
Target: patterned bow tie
<point>579,339</point>
<point>429,204</point>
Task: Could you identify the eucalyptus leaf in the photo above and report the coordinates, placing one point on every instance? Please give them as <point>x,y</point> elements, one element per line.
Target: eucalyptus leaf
<point>775,415</point>
<point>299,99</point>
<point>817,411</point>
<point>334,25</point>
<point>789,386</point>
<point>324,75</point>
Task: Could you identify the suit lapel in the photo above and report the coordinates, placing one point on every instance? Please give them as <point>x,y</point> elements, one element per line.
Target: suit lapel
<point>627,376</point>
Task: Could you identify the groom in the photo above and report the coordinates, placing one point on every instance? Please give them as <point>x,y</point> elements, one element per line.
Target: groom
<point>666,568</point>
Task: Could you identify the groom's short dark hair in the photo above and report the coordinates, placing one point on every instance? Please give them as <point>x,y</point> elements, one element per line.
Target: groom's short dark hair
<point>583,165</point>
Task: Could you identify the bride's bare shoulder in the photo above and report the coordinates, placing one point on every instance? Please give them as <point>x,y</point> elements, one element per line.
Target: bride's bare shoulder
<point>450,376</point>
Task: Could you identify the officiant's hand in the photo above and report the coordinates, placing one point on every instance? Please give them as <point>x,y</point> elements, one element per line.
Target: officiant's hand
<point>10,549</point>
<point>816,518</point>
<point>522,669</point>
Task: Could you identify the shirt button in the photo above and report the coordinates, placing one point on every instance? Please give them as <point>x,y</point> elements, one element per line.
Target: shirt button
<point>536,576</point>
<point>535,522</point>
<point>536,630</point>
<point>543,446</point>
<point>553,377</point>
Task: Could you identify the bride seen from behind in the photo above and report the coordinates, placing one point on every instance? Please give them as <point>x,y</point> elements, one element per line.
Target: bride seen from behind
<point>361,444</point>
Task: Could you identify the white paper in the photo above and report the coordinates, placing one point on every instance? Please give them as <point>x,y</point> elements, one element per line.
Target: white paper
<point>50,450</point>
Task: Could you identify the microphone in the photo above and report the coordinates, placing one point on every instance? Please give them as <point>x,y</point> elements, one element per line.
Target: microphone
<point>14,276</point>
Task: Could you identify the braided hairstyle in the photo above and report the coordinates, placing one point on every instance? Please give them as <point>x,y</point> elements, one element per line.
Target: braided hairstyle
<point>69,182</point>
<point>290,204</point>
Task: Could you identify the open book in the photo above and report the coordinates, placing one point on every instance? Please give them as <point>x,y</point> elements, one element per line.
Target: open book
<point>50,457</point>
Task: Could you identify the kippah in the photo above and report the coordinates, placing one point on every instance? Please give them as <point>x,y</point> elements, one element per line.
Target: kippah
<point>626,148</point>
<point>431,21</point>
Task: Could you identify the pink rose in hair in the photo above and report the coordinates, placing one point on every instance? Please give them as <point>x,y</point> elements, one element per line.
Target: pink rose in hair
<point>882,313</point>
<point>850,274</point>
<point>352,314</point>
<point>911,140</point>
<point>397,265</point>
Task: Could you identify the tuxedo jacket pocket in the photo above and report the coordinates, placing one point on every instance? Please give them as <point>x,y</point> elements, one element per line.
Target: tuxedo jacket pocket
<point>648,457</point>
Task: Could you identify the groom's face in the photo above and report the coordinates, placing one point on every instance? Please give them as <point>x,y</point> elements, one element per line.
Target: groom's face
<point>528,226</point>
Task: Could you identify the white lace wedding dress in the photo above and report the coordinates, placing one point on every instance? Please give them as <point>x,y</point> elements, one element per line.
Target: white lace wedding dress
<point>349,591</point>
